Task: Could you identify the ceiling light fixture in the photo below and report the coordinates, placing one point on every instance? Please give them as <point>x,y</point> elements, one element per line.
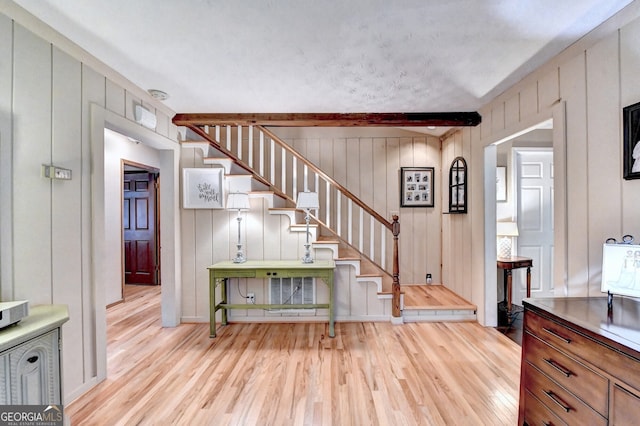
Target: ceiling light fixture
<point>158,94</point>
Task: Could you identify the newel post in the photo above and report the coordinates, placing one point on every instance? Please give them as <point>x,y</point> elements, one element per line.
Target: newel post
<point>395,288</point>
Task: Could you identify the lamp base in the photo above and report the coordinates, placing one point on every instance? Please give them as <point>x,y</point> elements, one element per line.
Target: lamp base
<point>240,257</point>
<point>307,255</point>
<point>504,247</point>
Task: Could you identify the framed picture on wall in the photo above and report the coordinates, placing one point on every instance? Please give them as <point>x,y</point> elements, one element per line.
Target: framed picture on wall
<point>501,183</point>
<point>202,188</point>
<point>416,187</point>
<point>631,144</point>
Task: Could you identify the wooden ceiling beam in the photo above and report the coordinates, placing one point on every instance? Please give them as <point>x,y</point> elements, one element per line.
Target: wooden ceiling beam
<point>383,119</point>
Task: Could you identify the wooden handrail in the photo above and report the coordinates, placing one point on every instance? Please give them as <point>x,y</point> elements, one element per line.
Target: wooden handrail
<point>328,178</point>
<point>235,159</point>
<point>394,226</point>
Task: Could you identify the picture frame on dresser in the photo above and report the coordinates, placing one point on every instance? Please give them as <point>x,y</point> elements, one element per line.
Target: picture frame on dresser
<point>621,269</point>
<point>631,141</point>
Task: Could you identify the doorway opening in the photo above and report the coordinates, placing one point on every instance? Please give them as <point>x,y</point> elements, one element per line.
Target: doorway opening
<point>140,224</point>
<point>533,202</point>
<point>528,159</point>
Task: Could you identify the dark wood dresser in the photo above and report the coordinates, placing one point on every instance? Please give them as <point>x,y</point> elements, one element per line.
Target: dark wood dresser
<point>580,363</point>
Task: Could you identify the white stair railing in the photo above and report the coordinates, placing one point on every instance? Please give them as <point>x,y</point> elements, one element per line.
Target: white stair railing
<point>278,165</point>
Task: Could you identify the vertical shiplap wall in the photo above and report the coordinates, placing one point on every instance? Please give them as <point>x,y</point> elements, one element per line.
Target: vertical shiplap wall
<point>45,225</point>
<point>593,80</point>
<point>367,162</point>
<point>210,235</point>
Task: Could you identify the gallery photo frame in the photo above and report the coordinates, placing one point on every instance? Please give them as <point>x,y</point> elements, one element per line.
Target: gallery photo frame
<point>416,187</point>
<point>202,188</point>
<point>631,142</point>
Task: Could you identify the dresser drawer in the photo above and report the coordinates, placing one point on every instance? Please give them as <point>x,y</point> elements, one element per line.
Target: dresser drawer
<point>567,340</point>
<point>585,383</point>
<point>536,413</point>
<point>625,406</point>
<point>557,399</point>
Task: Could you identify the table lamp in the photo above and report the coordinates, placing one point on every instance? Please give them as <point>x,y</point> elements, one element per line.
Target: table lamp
<point>506,231</point>
<point>307,201</point>
<point>238,201</point>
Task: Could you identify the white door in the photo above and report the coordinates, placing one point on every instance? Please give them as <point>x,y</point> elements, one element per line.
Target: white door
<point>534,186</point>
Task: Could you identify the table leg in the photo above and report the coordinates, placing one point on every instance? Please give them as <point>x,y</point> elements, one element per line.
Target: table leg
<point>332,331</point>
<point>508,279</point>
<point>223,299</point>
<point>528,281</point>
<point>212,305</point>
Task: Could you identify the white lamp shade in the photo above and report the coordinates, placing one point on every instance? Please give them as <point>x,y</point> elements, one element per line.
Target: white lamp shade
<point>507,229</point>
<point>308,200</point>
<point>238,201</point>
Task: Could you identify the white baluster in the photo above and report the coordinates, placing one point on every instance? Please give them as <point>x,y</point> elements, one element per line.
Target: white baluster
<point>250,147</point>
<point>339,212</point>
<point>349,221</point>
<point>371,238</point>
<point>261,170</point>
<point>273,163</point>
<point>284,170</point>
<point>294,177</point>
<point>361,230</point>
<point>305,174</point>
<point>239,143</point>
<point>229,138</point>
<point>328,205</point>
<point>383,246</point>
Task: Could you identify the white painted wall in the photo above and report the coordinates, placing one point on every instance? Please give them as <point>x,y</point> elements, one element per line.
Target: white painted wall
<point>47,87</point>
<point>367,162</point>
<point>593,79</point>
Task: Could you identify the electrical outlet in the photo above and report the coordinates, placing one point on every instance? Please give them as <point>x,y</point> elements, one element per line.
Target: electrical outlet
<point>251,298</point>
<point>428,278</point>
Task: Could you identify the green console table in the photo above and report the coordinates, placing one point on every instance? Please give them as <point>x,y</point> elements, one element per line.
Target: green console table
<point>220,273</point>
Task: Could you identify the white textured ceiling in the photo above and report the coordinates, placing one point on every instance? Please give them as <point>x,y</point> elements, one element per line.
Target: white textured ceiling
<point>215,56</point>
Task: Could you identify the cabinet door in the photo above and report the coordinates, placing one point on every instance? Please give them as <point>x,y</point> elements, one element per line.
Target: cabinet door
<point>625,406</point>
<point>5,384</point>
<point>35,371</point>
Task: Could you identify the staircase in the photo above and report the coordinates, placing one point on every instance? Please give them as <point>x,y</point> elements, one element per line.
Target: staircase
<point>344,229</point>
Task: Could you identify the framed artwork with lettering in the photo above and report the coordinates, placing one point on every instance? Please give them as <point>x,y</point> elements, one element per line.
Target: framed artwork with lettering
<point>202,188</point>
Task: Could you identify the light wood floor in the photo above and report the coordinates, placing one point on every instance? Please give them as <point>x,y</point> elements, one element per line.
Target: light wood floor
<point>294,374</point>
<point>434,296</point>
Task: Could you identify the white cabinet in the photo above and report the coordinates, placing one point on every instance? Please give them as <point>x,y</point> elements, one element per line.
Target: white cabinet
<point>30,358</point>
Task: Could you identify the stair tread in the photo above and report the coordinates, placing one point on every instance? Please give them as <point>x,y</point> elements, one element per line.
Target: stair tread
<point>369,275</point>
<point>442,308</point>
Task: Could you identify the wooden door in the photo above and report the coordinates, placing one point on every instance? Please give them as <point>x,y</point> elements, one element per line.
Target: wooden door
<point>139,223</point>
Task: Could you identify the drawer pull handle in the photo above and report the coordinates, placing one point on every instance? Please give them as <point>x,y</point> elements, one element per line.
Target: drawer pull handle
<point>555,398</point>
<point>553,333</point>
<point>558,367</point>
<point>32,359</point>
